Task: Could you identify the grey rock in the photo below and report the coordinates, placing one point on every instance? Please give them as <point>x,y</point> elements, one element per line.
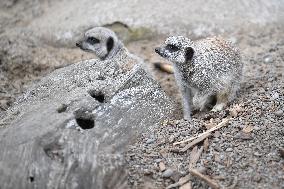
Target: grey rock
<point>268,59</point>
<point>150,140</point>
<point>167,173</point>
<point>279,113</point>
<point>41,141</point>
<point>229,149</point>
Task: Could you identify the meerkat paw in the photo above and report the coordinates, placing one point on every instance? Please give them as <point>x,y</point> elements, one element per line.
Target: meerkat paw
<point>187,117</point>
<point>218,107</point>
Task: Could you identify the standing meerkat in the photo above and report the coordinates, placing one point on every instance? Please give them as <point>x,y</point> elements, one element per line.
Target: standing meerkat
<point>205,70</point>
<point>105,44</point>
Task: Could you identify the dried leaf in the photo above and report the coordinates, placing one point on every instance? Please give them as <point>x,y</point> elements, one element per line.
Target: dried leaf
<point>248,129</point>
<point>206,144</point>
<point>162,166</point>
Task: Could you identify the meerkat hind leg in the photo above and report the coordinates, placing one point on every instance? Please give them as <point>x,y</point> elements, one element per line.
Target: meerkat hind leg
<point>222,100</point>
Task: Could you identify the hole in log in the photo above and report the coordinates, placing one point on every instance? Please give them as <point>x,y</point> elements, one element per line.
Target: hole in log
<point>85,123</point>
<point>98,95</point>
<point>84,118</point>
<point>31,179</point>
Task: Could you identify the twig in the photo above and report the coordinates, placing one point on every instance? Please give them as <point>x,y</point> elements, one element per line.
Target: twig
<point>213,184</point>
<point>196,141</point>
<point>222,124</point>
<point>181,182</point>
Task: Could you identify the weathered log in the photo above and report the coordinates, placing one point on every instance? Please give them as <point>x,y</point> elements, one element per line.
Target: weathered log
<point>71,129</point>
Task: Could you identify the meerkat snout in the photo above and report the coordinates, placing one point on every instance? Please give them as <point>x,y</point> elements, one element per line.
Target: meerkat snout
<point>101,41</point>
<point>157,50</point>
<point>79,44</point>
<point>176,49</point>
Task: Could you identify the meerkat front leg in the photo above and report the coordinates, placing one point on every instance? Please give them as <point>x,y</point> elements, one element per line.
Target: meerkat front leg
<point>186,102</point>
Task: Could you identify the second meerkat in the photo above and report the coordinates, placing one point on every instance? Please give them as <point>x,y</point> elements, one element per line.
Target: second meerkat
<point>105,44</point>
<point>205,70</point>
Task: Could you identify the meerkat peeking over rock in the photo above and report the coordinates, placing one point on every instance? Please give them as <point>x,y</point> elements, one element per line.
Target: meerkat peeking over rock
<point>206,70</point>
<point>102,42</point>
<point>105,44</point>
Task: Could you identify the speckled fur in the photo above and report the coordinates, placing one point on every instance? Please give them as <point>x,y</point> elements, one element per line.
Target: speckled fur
<point>214,70</point>
<point>118,50</point>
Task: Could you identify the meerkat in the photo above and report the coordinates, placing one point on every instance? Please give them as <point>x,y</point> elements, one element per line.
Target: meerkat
<point>205,70</point>
<point>105,44</point>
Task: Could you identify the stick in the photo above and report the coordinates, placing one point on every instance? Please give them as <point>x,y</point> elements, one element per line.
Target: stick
<point>196,141</point>
<point>223,123</point>
<point>213,184</point>
<point>181,182</point>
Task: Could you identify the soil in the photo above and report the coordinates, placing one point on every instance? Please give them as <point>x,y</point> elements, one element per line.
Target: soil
<point>246,153</point>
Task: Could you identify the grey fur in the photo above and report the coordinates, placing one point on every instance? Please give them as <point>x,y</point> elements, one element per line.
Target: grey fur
<point>100,48</point>
<point>203,69</point>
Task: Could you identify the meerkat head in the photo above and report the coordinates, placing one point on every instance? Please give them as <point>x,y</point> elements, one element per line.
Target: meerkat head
<point>176,49</point>
<point>101,41</point>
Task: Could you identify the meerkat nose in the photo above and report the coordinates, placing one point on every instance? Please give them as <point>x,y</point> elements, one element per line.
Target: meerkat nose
<point>79,44</point>
<point>157,49</point>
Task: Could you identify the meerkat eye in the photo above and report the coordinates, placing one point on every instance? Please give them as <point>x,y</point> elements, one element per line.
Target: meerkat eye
<point>172,48</point>
<point>92,40</point>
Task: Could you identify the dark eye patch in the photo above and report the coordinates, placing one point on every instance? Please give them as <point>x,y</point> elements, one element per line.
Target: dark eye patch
<point>172,48</point>
<point>92,40</point>
<point>110,43</point>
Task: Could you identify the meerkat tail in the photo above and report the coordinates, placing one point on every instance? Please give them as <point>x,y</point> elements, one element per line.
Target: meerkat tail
<point>164,67</point>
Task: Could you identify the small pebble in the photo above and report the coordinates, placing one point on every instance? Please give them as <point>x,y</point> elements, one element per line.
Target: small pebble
<point>158,160</point>
<point>147,172</point>
<point>256,128</point>
<point>175,176</point>
<point>279,113</point>
<point>261,90</point>
<point>150,140</point>
<point>168,173</point>
<point>268,59</point>
<point>229,149</point>
<point>62,108</point>
<point>257,154</point>
<point>274,96</point>
<point>162,166</point>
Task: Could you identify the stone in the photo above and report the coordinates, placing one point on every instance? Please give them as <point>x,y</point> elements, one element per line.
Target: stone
<point>167,173</point>
<point>279,113</point>
<point>150,140</point>
<point>268,59</point>
<point>162,166</point>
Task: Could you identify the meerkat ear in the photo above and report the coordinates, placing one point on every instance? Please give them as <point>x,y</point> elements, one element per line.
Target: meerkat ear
<point>109,44</point>
<point>189,53</point>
